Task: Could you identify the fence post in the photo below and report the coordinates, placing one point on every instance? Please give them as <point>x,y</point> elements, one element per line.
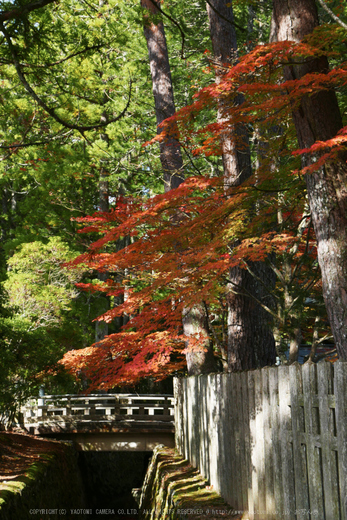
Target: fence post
<point>204,426</point>
<point>286,442</point>
<point>252,484</point>
<point>270,503</point>
<point>277,455</point>
<point>178,395</point>
<point>340,382</point>
<point>328,457</point>
<point>309,381</point>
<point>302,503</point>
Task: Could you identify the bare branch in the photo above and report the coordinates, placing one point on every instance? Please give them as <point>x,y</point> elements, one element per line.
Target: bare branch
<point>18,12</point>
<point>23,10</point>
<point>59,135</point>
<point>260,280</point>
<point>332,14</point>
<point>46,65</point>
<point>242,291</point>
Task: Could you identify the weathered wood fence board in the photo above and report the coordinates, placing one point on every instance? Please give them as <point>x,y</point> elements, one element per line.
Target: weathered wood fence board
<point>340,387</point>
<point>299,450</point>
<point>273,441</point>
<point>268,452</point>
<point>276,446</point>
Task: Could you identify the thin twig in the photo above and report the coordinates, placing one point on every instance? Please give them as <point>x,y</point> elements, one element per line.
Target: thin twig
<point>46,65</point>
<point>36,143</point>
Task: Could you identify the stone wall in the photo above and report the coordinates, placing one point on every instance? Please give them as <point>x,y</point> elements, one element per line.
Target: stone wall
<point>49,488</point>
<point>173,489</point>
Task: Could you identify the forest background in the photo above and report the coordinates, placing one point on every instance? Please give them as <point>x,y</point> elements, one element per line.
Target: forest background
<point>219,272</point>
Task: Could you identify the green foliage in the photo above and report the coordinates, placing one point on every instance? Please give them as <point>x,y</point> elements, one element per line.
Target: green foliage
<point>39,288</point>
<point>27,362</point>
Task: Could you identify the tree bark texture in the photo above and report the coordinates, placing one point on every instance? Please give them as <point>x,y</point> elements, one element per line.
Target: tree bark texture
<point>170,152</point>
<point>101,327</point>
<point>235,144</point>
<point>250,340</point>
<point>318,119</point>
<point>201,360</point>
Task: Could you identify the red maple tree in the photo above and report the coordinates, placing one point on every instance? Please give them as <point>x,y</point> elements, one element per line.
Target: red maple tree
<point>174,263</point>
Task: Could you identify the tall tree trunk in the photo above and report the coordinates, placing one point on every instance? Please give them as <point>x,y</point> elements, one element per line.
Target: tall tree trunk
<point>170,152</point>
<point>199,360</point>
<point>318,119</point>
<point>250,340</point>
<point>101,327</point>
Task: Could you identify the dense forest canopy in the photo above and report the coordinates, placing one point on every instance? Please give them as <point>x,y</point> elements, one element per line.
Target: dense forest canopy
<point>173,188</point>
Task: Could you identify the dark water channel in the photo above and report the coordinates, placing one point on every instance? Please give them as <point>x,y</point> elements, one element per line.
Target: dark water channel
<point>108,479</point>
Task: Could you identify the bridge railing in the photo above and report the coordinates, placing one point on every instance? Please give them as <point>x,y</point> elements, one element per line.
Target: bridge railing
<point>63,409</point>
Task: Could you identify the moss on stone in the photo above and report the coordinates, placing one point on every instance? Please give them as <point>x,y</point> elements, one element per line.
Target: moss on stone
<point>174,490</point>
<point>38,474</point>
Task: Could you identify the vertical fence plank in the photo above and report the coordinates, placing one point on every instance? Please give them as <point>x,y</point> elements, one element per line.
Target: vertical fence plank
<point>207,429</point>
<point>201,424</point>
<point>222,427</point>
<point>277,456</point>
<point>241,483</point>
<point>213,432</point>
<point>270,504</point>
<point>253,483</point>
<point>340,382</point>
<point>309,380</point>
<point>195,422</point>
<point>232,491</point>
<point>198,432</point>
<point>189,420</point>
<point>324,378</point>
<point>216,431</point>
<point>209,423</point>
<point>186,422</point>
<point>259,451</point>
<point>227,480</point>
<point>236,492</point>
<point>286,442</point>
<point>245,450</point>
<point>177,385</point>
<point>193,417</point>
<point>302,504</point>
<point>190,416</point>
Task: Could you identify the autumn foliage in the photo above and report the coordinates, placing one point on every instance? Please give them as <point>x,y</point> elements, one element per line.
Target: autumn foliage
<point>179,253</point>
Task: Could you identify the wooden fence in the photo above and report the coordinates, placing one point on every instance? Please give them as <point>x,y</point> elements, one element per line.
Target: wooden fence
<point>272,442</point>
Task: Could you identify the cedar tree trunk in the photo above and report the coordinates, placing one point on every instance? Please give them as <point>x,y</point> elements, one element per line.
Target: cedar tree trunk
<point>170,152</point>
<point>101,327</point>
<point>250,340</point>
<point>200,360</point>
<point>318,119</point>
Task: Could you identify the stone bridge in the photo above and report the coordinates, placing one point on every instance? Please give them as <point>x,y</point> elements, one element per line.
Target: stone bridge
<point>103,422</point>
